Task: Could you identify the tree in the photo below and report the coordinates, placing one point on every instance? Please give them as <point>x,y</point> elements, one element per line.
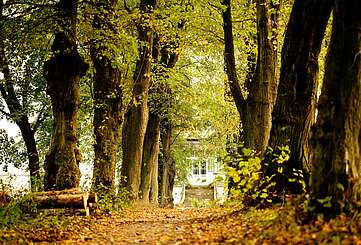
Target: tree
<point>149,175</point>
<point>18,107</point>
<point>255,110</point>
<point>294,111</point>
<point>136,117</point>
<point>167,166</point>
<point>63,72</point>
<point>108,104</point>
<point>159,119</point>
<point>336,135</point>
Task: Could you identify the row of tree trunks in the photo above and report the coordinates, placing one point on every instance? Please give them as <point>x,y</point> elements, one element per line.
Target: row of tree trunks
<point>164,58</point>
<point>136,118</point>
<point>166,166</point>
<point>149,194</point>
<point>17,111</point>
<point>336,136</point>
<point>294,111</point>
<point>150,159</point>
<point>108,106</point>
<point>63,72</point>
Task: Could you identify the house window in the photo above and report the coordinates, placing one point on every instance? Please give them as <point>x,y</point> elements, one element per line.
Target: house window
<point>195,168</point>
<point>203,168</point>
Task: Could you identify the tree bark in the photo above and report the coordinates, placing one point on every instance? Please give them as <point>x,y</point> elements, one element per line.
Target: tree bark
<point>154,188</point>
<point>229,58</point>
<point>166,166</point>
<point>165,58</point>
<point>294,111</point>
<point>108,105</point>
<point>336,135</point>
<point>136,118</point>
<point>17,112</point>
<point>255,110</point>
<point>63,72</point>
<point>257,117</point>
<point>150,153</point>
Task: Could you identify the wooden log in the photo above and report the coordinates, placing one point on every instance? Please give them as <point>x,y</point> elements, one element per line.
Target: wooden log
<point>92,196</point>
<point>62,201</point>
<point>71,198</point>
<point>54,193</point>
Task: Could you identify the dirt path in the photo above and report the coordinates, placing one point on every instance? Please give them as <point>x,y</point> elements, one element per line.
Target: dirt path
<point>276,225</point>
<point>153,226</point>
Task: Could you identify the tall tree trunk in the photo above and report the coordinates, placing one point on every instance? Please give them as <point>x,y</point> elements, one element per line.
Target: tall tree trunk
<point>257,117</point>
<point>136,117</point>
<point>255,111</point>
<point>154,188</point>
<point>294,111</point>
<point>165,58</point>
<point>149,182</point>
<point>166,166</point>
<point>150,156</point>
<point>17,111</point>
<point>336,136</point>
<point>229,58</point>
<point>63,72</point>
<point>108,106</point>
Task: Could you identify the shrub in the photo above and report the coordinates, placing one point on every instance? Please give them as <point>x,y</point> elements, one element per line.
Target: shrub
<point>261,182</point>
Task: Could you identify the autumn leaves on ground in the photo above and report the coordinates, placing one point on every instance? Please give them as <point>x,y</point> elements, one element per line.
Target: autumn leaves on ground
<point>279,225</point>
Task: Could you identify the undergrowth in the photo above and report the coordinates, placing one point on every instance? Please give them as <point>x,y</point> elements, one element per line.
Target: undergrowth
<point>262,182</point>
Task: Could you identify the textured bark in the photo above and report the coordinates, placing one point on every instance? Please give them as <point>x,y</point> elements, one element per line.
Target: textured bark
<point>166,166</point>
<point>257,117</point>
<point>294,111</point>
<point>17,111</point>
<point>255,111</point>
<point>150,156</point>
<point>154,188</point>
<point>336,135</point>
<point>63,72</point>
<point>108,106</point>
<point>165,58</point>
<point>136,118</point>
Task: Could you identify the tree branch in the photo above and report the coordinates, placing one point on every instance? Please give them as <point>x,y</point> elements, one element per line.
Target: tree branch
<point>41,117</point>
<point>5,113</point>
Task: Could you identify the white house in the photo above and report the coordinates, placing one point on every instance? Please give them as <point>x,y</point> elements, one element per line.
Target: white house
<point>205,173</point>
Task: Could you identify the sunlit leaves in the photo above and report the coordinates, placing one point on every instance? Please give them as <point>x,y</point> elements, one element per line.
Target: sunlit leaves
<point>11,153</point>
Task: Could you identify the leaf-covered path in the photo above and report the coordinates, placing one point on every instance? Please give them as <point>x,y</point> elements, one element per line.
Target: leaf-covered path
<point>189,226</point>
<point>156,226</point>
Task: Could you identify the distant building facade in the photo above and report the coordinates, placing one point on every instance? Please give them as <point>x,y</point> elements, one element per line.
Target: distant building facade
<point>204,173</point>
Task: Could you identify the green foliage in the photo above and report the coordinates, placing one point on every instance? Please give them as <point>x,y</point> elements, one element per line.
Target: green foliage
<point>18,211</point>
<point>278,167</point>
<point>243,172</point>
<point>110,202</point>
<point>261,182</point>
<point>11,153</point>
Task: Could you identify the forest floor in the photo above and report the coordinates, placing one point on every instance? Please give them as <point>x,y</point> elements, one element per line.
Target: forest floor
<point>277,225</point>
